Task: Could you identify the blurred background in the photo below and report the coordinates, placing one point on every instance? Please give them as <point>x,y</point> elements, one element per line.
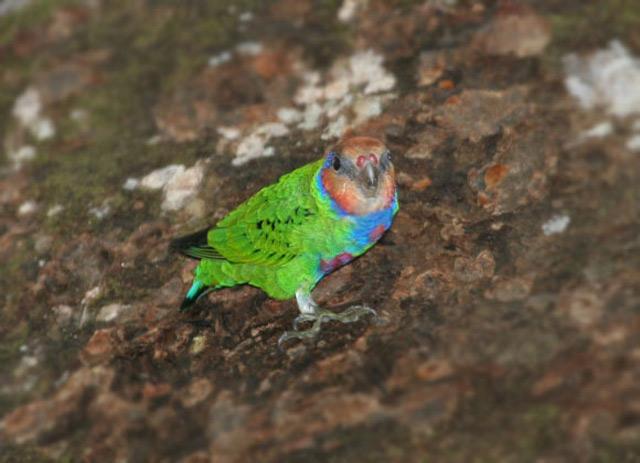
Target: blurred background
<point>509,282</point>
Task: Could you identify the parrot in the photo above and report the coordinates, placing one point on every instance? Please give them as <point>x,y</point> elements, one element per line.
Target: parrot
<point>291,234</point>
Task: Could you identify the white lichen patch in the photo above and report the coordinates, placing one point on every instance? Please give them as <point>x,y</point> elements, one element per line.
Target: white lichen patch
<point>27,208</point>
<point>633,144</point>
<point>131,184</point>
<point>601,130</point>
<point>21,155</point>
<point>43,129</point>
<point>608,78</point>
<point>229,133</point>
<point>249,48</point>
<point>55,210</point>
<point>101,212</point>
<point>350,8</point>
<point>255,146</point>
<point>354,90</point>
<point>27,110</point>
<point>178,184</point>
<point>354,87</point>
<point>182,188</point>
<point>220,58</point>
<point>160,177</point>
<point>27,107</point>
<point>111,312</point>
<point>289,115</point>
<point>556,224</point>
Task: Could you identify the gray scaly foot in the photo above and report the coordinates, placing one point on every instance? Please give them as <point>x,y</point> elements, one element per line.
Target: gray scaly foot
<point>318,316</point>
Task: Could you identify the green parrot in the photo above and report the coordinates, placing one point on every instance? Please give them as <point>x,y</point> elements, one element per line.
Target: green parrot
<point>289,235</point>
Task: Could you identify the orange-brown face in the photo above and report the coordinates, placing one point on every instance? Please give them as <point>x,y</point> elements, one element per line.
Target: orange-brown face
<point>359,176</point>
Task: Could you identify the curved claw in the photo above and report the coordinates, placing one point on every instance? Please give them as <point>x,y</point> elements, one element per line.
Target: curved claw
<point>350,315</point>
<point>355,312</point>
<point>302,335</point>
<point>302,318</point>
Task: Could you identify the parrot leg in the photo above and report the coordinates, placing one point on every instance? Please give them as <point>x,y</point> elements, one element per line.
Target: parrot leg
<point>311,312</point>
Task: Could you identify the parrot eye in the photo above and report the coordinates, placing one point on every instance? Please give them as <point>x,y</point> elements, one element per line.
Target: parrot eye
<point>336,163</point>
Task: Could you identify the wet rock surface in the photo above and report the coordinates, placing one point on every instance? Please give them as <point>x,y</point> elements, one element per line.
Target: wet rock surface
<point>507,287</point>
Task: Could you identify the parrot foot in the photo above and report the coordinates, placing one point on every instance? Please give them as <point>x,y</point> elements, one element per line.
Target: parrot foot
<point>318,317</point>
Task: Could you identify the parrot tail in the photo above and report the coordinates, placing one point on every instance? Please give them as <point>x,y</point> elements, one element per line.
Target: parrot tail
<point>196,290</point>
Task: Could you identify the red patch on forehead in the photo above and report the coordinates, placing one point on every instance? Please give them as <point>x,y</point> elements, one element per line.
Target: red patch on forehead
<point>373,159</point>
<point>361,160</point>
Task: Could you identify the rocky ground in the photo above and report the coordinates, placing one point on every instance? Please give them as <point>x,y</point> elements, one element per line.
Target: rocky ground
<point>509,284</point>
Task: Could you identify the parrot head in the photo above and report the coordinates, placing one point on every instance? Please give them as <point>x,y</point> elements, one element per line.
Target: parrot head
<point>358,176</point>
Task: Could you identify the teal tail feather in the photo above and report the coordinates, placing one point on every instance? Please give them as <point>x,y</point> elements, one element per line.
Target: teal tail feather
<point>196,290</point>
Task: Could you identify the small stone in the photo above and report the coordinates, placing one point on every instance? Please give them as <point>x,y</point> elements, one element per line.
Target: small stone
<point>43,243</point>
<point>111,312</point>
<point>54,210</point>
<point>601,130</point>
<point>79,115</point>
<point>633,143</point>
<point>431,67</point>
<point>43,129</point>
<point>24,153</point>
<point>487,263</point>
<point>198,344</point>
<point>131,184</point>
<point>421,184</point>
<point>521,33</point>
<point>160,177</point>
<point>510,289</point>
<point>230,133</point>
<point>428,141</point>
<point>350,9</point>
<point>434,370</point>
<point>249,48</point>
<point>27,107</point>
<point>27,208</point>
<point>196,392</point>
<point>289,116</point>
<point>220,58</point>
<point>91,295</point>
<point>468,270</point>
<point>101,212</point>
<point>556,224</point>
<point>585,307</point>
<point>475,114</point>
<point>63,314</point>
<point>99,348</point>
<point>151,391</point>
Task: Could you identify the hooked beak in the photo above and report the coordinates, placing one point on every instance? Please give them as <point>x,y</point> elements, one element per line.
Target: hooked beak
<point>369,179</point>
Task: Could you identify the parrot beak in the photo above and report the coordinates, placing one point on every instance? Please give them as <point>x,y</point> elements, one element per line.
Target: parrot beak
<point>369,177</point>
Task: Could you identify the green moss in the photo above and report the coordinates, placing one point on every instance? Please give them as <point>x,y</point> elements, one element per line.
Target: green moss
<point>23,454</point>
<point>584,25</point>
<point>149,58</point>
<point>500,423</point>
<point>32,16</point>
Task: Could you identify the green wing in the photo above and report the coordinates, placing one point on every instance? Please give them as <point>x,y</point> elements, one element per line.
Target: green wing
<point>268,228</point>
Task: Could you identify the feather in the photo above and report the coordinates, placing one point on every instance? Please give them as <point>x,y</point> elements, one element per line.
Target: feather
<point>195,246</point>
